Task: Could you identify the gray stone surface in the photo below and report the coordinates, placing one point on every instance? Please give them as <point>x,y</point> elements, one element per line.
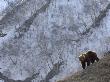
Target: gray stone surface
<point>47,36</point>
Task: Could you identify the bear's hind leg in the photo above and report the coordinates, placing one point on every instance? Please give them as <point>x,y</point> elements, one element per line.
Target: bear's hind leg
<point>88,63</point>
<point>97,59</point>
<point>92,61</point>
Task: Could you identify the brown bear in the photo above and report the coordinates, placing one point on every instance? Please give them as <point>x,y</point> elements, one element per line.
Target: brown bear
<point>88,57</point>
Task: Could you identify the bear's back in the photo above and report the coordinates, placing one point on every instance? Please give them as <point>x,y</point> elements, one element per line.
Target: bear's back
<point>91,54</point>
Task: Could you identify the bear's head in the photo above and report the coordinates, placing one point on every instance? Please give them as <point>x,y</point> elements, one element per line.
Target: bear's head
<point>82,57</point>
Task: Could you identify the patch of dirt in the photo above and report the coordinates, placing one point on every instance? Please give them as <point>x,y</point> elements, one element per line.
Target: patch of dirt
<point>97,72</point>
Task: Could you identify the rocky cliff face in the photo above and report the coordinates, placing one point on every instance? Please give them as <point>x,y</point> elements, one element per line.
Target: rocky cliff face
<point>47,36</point>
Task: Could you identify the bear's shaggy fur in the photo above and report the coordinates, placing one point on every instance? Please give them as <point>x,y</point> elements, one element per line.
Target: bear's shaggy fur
<point>88,57</point>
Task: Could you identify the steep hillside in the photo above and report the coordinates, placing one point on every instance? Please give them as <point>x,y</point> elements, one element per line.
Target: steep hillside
<point>97,72</point>
<point>47,36</point>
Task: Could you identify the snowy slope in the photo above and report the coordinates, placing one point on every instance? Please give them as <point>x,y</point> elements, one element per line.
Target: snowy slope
<point>47,36</point>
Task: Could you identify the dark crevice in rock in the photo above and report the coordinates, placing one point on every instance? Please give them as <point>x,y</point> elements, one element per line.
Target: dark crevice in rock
<point>26,25</point>
<point>11,13</point>
<point>54,71</point>
<point>2,34</point>
<point>97,21</point>
<point>29,79</point>
<point>95,24</point>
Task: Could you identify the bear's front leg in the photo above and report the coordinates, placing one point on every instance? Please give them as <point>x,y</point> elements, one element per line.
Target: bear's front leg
<point>83,65</point>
